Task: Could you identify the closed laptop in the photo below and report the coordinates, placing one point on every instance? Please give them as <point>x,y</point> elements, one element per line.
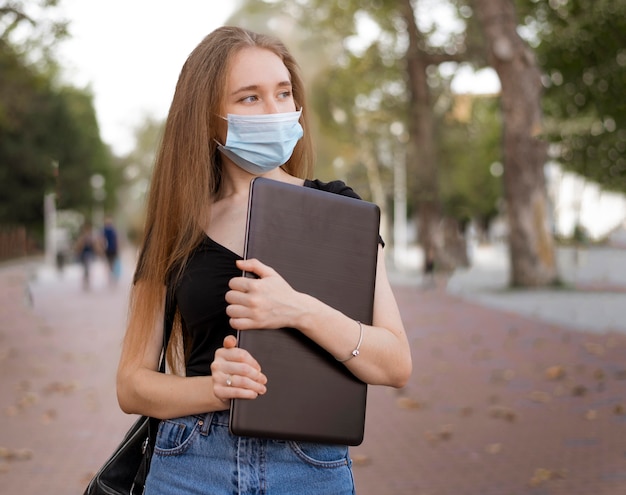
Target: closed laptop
<point>325,245</point>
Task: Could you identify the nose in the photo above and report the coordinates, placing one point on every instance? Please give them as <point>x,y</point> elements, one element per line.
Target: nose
<point>271,106</point>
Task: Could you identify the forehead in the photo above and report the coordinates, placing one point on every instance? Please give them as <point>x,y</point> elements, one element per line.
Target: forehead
<point>253,66</point>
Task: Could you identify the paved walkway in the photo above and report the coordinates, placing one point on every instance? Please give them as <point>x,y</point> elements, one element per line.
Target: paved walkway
<point>505,398</point>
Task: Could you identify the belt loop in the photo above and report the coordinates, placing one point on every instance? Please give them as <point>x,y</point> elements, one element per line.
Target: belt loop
<point>206,424</point>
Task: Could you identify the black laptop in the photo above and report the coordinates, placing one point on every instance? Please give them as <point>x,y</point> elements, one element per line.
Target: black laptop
<point>325,245</point>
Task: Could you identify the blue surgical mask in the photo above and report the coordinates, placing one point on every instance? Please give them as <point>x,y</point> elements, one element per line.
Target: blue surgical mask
<point>261,143</point>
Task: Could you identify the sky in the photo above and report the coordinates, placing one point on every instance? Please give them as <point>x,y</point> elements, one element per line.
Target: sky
<point>130,52</point>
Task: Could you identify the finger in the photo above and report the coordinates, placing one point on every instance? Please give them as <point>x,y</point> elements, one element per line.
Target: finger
<point>243,382</point>
<point>240,284</point>
<point>230,342</point>
<point>231,359</point>
<point>237,311</point>
<point>240,388</point>
<point>236,296</point>
<point>252,380</point>
<point>255,266</point>
<point>241,323</point>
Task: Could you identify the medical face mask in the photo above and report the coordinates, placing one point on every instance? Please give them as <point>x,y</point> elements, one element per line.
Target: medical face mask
<point>261,143</point>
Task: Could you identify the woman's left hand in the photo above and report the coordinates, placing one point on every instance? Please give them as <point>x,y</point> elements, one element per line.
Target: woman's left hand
<point>264,302</point>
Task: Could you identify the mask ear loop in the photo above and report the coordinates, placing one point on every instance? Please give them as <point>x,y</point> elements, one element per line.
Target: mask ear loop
<point>225,119</point>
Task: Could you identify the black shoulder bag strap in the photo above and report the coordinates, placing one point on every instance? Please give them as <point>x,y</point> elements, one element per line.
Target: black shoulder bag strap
<point>153,426</point>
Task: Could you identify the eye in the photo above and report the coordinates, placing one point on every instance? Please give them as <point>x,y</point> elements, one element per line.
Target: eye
<point>249,99</point>
<point>285,95</point>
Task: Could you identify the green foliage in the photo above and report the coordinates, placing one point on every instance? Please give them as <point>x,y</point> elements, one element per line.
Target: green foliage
<point>580,47</point>
<point>470,188</point>
<point>361,103</point>
<point>81,153</point>
<point>49,137</point>
<point>356,103</point>
<point>33,28</point>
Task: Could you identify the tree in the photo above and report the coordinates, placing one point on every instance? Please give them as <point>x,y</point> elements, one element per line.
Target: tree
<point>366,91</point>
<point>531,245</point>
<point>580,48</point>
<point>470,156</point>
<point>137,169</point>
<point>408,43</point>
<point>33,28</point>
<point>49,137</point>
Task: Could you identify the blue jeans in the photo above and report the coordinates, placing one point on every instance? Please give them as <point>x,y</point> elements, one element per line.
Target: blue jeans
<point>198,455</point>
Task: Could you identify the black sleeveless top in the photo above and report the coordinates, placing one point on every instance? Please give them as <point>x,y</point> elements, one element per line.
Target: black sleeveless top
<point>200,294</point>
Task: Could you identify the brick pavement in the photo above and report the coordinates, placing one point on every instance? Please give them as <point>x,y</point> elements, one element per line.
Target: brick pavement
<point>498,403</point>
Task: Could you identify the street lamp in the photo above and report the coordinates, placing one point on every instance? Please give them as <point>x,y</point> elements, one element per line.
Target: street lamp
<point>400,222</point>
<point>99,194</point>
<point>50,217</point>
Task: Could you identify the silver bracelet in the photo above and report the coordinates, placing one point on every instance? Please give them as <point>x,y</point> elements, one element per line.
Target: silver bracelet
<point>356,351</point>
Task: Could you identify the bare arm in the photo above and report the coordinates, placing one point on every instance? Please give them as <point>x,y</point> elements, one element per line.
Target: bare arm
<point>269,302</point>
<point>142,389</point>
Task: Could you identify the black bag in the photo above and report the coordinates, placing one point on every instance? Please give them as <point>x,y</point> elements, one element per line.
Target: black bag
<point>126,470</point>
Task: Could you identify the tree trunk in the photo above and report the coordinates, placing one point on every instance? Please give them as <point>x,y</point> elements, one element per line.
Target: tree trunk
<point>423,179</point>
<point>376,188</point>
<point>531,244</point>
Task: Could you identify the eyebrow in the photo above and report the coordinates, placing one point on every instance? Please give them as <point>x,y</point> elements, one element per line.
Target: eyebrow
<point>254,87</point>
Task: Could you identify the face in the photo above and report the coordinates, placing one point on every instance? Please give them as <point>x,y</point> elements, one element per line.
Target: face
<point>258,83</point>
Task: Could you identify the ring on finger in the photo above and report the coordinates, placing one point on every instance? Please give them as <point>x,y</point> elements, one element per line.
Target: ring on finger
<point>229,380</point>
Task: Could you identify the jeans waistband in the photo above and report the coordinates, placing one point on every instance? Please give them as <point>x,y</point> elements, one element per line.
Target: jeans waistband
<point>216,418</point>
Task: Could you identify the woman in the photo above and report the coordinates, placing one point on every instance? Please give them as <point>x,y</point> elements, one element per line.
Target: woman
<point>86,248</point>
<point>194,244</point>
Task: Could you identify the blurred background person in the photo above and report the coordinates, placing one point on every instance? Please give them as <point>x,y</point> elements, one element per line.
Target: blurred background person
<point>109,234</point>
<point>86,248</point>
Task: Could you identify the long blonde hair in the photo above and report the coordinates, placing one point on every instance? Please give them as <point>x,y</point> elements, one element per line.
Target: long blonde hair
<point>187,174</point>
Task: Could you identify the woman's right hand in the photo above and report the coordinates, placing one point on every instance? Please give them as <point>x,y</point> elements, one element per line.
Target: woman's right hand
<point>236,374</point>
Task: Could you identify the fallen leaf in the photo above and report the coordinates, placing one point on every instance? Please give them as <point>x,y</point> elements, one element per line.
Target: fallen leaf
<point>466,411</point>
<point>502,412</point>
<point>502,376</point>
<point>61,388</point>
<point>24,454</point>
<point>539,396</point>
<point>594,349</point>
<point>556,372</point>
<point>445,432</point>
<point>27,400</point>
<point>23,386</point>
<point>360,459</point>
<point>542,475</point>
<point>493,448</point>
<point>599,374</point>
<point>49,416</point>
<point>482,355</point>
<point>408,403</point>
<point>620,375</point>
<point>431,438</point>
